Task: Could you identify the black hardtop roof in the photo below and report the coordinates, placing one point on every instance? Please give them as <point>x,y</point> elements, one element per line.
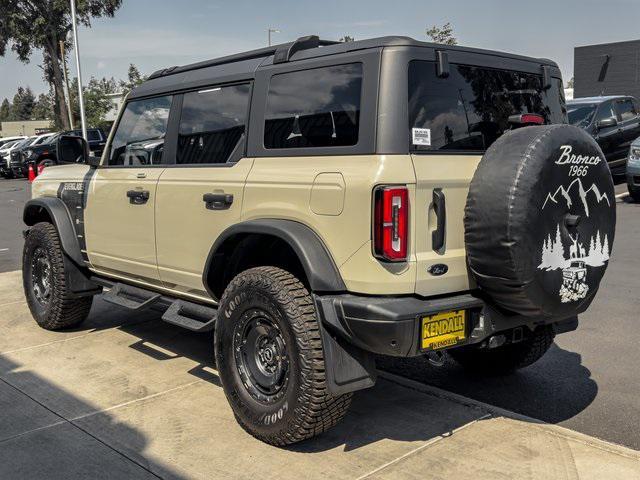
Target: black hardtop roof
<point>246,63</point>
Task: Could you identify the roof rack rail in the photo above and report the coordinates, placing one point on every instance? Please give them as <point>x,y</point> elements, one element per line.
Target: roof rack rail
<point>285,52</point>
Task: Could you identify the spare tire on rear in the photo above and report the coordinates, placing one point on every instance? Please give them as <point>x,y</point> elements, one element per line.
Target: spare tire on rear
<point>540,221</point>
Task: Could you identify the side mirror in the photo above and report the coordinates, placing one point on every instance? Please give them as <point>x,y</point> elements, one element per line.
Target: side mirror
<point>72,149</point>
<point>607,123</point>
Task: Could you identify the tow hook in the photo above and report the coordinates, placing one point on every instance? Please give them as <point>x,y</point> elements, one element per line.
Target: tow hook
<point>436,359</point>
<point>496,341</point>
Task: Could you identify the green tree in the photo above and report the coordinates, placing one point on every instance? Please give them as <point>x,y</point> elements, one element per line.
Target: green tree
<point>43,109</point>
<point>570,83</point>
<point>134,78</point>
<point>443,34</point>
<point>6,112</point>
<point>347,38</point>
<point>23,102</point>
<point>96,101</point>
<point>30,25</point>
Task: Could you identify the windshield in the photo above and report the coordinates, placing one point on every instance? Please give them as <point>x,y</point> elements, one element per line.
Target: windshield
<point>8,145</point>
<point>581,114</point>
<point>471,108</point>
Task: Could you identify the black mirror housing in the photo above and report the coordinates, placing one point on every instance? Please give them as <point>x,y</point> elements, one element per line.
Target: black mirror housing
<point>607,123</point>
<point>72,149</point>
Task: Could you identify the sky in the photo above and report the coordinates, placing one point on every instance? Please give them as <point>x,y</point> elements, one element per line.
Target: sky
<point>158,33</point>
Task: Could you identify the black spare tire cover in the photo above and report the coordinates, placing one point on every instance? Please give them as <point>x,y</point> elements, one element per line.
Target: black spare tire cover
<point>540,221</point>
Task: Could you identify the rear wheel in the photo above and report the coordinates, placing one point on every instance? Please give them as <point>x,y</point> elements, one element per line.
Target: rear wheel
<point>270,358</point>
<point>507,358</point>
<point>45,282</point>
<point>634,193</point>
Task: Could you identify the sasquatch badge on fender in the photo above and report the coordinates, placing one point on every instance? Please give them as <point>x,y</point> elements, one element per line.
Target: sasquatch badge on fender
<point>540,221</point>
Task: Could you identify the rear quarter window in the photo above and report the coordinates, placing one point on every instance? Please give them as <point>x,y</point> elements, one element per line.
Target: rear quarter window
<point>319,107</point>
<point>470,109</point>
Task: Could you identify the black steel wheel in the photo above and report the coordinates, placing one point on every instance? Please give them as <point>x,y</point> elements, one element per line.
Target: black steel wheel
<point>261,355</point>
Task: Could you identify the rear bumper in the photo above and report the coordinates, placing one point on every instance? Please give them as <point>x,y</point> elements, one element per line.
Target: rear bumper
<point>391,325</point>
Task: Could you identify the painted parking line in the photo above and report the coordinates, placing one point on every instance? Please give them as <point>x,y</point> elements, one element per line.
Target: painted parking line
<point>622,195</point>
<point>4,249</point>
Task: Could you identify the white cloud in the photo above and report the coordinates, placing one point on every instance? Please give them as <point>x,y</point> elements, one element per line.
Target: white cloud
<point>101,65</point>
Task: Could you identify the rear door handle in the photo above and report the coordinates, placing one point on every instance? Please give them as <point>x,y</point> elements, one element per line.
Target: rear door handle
<point>439,234</point>
<point>217,201</point>
<point>138,197</point>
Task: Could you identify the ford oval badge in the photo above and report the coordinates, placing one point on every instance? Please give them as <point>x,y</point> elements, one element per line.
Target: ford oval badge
<point>438,269</point>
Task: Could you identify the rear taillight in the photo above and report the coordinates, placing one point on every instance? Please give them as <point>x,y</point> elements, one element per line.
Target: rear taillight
<point>391,223</point>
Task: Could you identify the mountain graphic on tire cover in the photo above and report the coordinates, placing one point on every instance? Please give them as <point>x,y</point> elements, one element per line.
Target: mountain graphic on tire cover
<point>540,221</point>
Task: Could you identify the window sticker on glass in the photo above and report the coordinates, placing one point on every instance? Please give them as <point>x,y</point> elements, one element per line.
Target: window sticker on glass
<point>421,136</point>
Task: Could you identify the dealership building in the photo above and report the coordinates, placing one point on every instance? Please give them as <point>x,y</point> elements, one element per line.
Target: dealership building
<point>607,69</point>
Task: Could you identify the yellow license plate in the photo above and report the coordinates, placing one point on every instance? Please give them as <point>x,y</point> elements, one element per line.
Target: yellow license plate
<point>443,330</point>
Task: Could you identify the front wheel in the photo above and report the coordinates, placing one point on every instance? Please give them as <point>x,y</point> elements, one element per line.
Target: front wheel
<point>634,193</point>
<point>270,358</point>
<point>507,358</point>
<point>45,281</point>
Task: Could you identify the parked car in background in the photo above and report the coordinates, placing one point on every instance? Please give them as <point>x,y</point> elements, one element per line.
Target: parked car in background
<point>5,155</point>
<point>5,163</point>
<point>17,166</point>
<point>95,137</point>
<point>614,122</point>
<point>633,170</point>
<point>5,140</point>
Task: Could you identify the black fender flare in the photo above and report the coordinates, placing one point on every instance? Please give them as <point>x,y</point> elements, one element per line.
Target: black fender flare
<point>319,267</point>
<point>59,215</point>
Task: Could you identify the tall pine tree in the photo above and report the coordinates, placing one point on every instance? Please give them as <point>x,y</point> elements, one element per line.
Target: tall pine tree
<point>23,103</point>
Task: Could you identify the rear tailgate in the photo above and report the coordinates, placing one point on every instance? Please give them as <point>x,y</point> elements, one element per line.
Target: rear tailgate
<point>452,174</point>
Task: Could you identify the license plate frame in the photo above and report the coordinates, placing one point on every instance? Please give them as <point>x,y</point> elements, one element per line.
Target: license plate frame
<point>442,330</point>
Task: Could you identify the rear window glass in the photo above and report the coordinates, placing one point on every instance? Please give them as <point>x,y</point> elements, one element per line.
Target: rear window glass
<point>212,124</point>
<point>314,108</point>
<point>470,109</point>
<point>626,109</point>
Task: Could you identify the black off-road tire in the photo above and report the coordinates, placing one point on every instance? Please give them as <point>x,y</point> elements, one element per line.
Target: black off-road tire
<point>508,358</point>
<point>63,309</point>
<point>305,408</point>
<point>634,193</point>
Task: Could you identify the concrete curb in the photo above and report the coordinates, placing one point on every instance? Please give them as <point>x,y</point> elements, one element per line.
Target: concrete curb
<point>501,412</point>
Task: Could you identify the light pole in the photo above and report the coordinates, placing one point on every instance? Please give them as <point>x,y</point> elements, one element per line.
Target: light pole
<point>77,50</point>
<point>269,32</point>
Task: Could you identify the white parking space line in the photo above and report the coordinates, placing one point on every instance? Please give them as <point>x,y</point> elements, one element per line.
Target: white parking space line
<point>622,195</point>
<point>4,249</point>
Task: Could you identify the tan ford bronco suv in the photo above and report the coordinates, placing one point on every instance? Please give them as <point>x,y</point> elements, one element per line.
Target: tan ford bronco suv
<point>316,204</point>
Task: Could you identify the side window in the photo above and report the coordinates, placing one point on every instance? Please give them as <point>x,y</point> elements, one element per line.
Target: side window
<point>139,138</point>
<point>626,109</point>
<point>314,108</point>
<point>212,124</point>
<point>605,110</point>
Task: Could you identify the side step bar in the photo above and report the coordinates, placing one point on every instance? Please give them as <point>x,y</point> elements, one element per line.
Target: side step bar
<point>191,316</point>
<point>130,297</point>
<point>185,314</point>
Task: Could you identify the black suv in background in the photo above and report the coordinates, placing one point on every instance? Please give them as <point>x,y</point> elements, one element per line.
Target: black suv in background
<point>614,121</point>
<point>95,137</point>
<point>44,154</point>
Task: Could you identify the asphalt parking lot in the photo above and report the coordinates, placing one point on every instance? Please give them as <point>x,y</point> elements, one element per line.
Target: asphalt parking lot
<point>588,382</point>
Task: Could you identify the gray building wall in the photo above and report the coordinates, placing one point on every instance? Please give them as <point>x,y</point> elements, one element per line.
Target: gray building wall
<point>607,69</point>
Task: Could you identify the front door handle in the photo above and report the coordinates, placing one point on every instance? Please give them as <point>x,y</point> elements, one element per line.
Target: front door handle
<point>217,201</point>
<point>138,197</point>
<point>439,234</point>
